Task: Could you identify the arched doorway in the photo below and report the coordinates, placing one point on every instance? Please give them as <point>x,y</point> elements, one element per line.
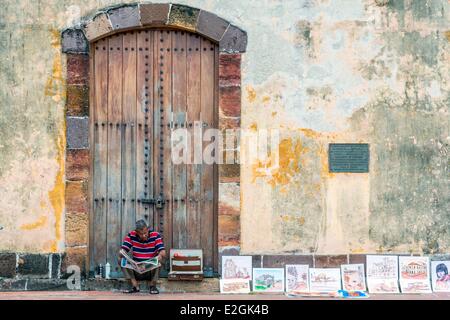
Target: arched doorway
<point>146,83</point>
<point>106,145</point>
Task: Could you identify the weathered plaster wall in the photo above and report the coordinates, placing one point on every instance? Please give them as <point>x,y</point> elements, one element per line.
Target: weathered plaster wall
<point>321,71</point>
<point>350,71</point>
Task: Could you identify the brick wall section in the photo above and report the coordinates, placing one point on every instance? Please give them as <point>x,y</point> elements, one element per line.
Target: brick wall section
<point>77,163</point>
<point>229,173</point>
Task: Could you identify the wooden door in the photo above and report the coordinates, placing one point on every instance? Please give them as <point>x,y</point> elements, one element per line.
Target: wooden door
<point>145,84</point>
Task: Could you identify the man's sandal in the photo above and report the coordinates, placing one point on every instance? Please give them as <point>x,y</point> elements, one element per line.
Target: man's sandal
<point>133,290</point>
<point>153,290</point>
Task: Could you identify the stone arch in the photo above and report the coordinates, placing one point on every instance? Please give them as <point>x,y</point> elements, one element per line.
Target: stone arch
<point>107,21</point>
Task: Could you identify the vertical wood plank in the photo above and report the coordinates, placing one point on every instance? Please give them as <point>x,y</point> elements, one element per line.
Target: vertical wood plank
<point>114,147</point>
<point>163,116</point>
<point>194,170</point>
<point>179,118</point>
<point>100,153</point>
<point>90,244</point>
<point>207,186</point>
<point>129,133</point>
<point>144,149</point>
<point>216,165</point>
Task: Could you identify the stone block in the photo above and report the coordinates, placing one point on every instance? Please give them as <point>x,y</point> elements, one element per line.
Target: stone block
<point>229,123</point>
<point>77,100</point>
<point>77,132</point>
<point>184,17</point>
<point>77,69</point>
<point>230,101</point>
<point>229,173</point>
<point>74,256</point>
<point>125,17</point>
<point>234,40</point>
<point>77,164</point>
<point>76,229</point>
<point>97,27</point>
<point>211,25</point>
<point>76,197</point>
<point>229,230</point>
<point>46,285</point>
<point>357,259</point>
<point>154,13</point>
<point>330,261</point>
<point>34,265</point>
<point>74,41</point>
<point>7,265</point>
<point>279,261</point>
<point>229,69</point>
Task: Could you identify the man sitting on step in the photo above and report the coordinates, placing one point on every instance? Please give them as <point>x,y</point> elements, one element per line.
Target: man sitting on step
<point>144,244</point>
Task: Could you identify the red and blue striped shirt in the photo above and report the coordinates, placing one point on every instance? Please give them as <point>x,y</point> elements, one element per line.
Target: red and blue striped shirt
<point>143,250</point>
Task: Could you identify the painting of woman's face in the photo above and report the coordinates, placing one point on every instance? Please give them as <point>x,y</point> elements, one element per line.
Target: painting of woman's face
<point>440,274</point>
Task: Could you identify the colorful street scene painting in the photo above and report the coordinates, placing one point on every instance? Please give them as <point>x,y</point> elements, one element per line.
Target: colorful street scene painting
<point>268,279</point>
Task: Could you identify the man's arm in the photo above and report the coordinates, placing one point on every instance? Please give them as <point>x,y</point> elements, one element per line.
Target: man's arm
<point>161,255</point>
<point>160,247</point>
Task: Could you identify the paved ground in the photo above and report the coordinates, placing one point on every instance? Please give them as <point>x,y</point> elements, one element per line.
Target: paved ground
<point>102,295</point>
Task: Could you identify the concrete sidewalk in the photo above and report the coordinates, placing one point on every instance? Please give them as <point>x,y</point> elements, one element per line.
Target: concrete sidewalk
<point>107,295</point>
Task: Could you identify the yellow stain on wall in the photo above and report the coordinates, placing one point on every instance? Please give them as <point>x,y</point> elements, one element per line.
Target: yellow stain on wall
<point>254,126</point>
<point>293,219</point>
<point>56,195</point>
<point>251,94</point>
<point>55,85</point>
<point>447,35</point>
<point>55,88</point>
<point>42,221</point>
<point>290,156</point>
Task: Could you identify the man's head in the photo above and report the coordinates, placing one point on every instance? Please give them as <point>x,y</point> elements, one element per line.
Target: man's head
<point>141,229</point>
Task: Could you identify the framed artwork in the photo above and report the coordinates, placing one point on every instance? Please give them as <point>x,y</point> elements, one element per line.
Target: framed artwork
<point>237,267</point>
<point>186,261</point>
<point>382,274</point>
<point>353,277</point>
<point>268,279</point>
<point>440,278</point>
<point>414,274</point>
<point>324,279</point>
<point>297,278</point>
<point>236,286</point>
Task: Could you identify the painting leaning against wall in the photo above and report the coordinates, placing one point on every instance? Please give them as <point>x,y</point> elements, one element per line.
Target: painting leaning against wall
<point>382,274</point>
<point>268,279</point>
<point>297,278</point>
<point>353,277</point>
<point>440,278</point>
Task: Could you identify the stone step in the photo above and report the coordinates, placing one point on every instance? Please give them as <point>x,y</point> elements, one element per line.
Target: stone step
<point>164,285</point>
